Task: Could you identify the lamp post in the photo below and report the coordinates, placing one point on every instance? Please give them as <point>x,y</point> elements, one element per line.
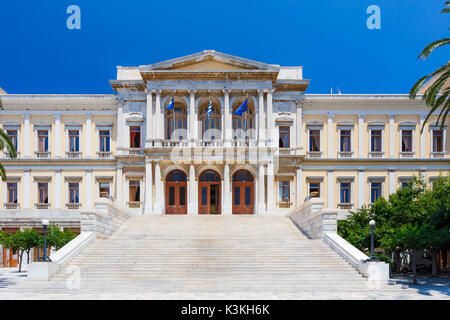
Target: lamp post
<point>372,227</point>
<point>45,225</point>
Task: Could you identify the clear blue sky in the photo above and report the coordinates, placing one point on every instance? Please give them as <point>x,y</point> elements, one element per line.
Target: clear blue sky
<point>329,38</point>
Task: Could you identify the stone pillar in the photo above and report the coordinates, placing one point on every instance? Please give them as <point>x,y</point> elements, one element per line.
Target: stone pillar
<point>27,189</point>
<point>193,192</point>
<point>422,137</point>
<point>120,126</point>
<point>299,180</point>
<point>57,135</point>
<point>270,189</point>
<point>192,119</point>
<point>159,121</point>
<point>27,136</point>
<point>88,135</point>
<point>149,119</point>
<point>227,198</point>
<point>391,136</point>
<point>148,187</point>
<point>330,136</point>
<point>88,189</point>
<point>58,189</point>
<point>227,117</point>
<point>391,181</point>
<point>261,119</point>
<point>261,201</point>
<point>299,129</point>
<point>361,188</point>
<point>270,125</point>
<point>159,193</point>
<point>331,204</point>
<point>361,136</point>
<point>119,186</point>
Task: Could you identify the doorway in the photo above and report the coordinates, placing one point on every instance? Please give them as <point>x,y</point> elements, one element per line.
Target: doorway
<point>243,192</point>
<point>176,193</point>
<point>209,193</point>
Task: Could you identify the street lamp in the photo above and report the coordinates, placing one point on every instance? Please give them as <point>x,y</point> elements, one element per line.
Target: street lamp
<point>45,225</point>
<point>372,228</point>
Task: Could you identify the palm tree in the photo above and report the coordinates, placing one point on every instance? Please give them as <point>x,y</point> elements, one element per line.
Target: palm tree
<point>5,141</point>
<point>435,85</point>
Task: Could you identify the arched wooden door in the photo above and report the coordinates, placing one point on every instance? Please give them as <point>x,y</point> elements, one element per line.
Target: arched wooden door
<point>243,192</point>
<point>209,201</point>
<point>176,193</point>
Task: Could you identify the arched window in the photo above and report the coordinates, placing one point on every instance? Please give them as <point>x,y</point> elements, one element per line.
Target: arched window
<point>242,176</point>
<point>244,126</point>
<point>176,122</point>
<point>210,127</point>
<point>209,176</point>
<point>176,176</point>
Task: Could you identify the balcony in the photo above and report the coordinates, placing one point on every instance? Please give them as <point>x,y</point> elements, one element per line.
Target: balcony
<point>284,204</point>
<point>42,154</point>
<point>12,206</point>
<point>133,151</point>
<point>406,154</point>
<point>287,151</point>
<point>104,154</point>
<point>8,156</point>
<point>314,154</point>
<point>73,154</point>
<point>42,206</point>
<point>345,206</point>
<point>438,154</point>
<point>134,204</point>
<point>73,206</point>
<point>175,143</point>
<point>210,143</point>
<point>376,154</point>
<point>345,154</point>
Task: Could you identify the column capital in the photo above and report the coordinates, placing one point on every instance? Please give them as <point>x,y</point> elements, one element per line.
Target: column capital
<point>57,116</point>
<point>226,91</point>
<point>148,160</point>
<point>392,116</point>
<point>26,115</point>
<point>330,116</point>
<point>269,90</point>
<point>192,91</point>
<point>361,116</point>
<point>149,91</point>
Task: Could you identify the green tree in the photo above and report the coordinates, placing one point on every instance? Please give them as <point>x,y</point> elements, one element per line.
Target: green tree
<point>57,238</point>
<point>5,141</point>
<point>437,91</point>
<point>23,241</point>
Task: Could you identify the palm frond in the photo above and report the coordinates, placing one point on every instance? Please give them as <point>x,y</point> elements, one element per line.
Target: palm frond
<point>419,84</point>
<point>6,140</point>
<point>2,172</point>
<point>433,46</point>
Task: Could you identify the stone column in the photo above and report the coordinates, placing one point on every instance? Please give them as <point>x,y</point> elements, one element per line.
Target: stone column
<point>58,189</point>
<point>422,137</point>
<point>299,180</point>
<point>331,204</point>
<point>261,200</point>
<point>159,193</point>
<point>391,136</point>
<point>391,181</point>
<point>57,135</point>
<point>120,126</point>
<point>148,187</point>
<point>270,189</point>
<point>227,197</point>
<point>27,189</point>
<point>330,136</point>
<point>192,130</point>
<point>27,136</point>
<point>88,135</point>
<point>270,125</point>
<point>299,129</point>
<point>361,136</point>
<point>159,121</point>
<point>227,117</point>
<point>149,119</point>
<point>119,186</point>
<point>193,192</point>
<point>261,119</point>
<point>361,188</point>
<point>88,189</point>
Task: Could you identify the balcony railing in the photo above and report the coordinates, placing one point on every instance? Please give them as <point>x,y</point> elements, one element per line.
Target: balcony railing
<point>8,156</point>
<point>210,143</point>
<point>345,154</point>
<point>345,206</point>
<point>284,204</point>
<point>73,154</point>
<point>439,154</point>
<point>134,204</point>
<point>12,206</point>
<point>314,154</point>
<point>134,151</point>
<point>376,154</point>
<point>42,205</point>
<point>175,143</point>
<point>287,151</point>
<point>73,206</point>
<point>104,154</point>
<point>406,154</point>
<point>42,154</point>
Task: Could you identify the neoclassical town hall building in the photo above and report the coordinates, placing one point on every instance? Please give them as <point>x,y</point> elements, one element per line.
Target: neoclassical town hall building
<point>288,146</point>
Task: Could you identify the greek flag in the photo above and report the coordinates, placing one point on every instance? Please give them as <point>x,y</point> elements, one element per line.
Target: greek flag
<point>170,106</point>
<point>208,113</point>
<point>242,108</point>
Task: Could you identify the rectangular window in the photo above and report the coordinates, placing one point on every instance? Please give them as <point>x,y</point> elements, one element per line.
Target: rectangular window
<point>12,192</point>
<point>248,196</point>
<point>104,190</point>
<point>43,192</point>
<point>375,138</point>
<point>314,140</point>
<point>345,192</point>
<point>43,140</point>
<point>74,193</point>
<point>346,140</point>
<point>13,135</point>
<point>135,191</point>
<point>204,196</point>
<point>375,191</point>
<point>314,189</point>
<point>438,141</point>
<point>182,191</point>
<point>284,191</point>
<point>135,137</point>
<point>74,140</point>
<point>406,140</point>
<point>171,196</point>
<point>284,137</point>
<point>237,196</point>
<point>105,137</point>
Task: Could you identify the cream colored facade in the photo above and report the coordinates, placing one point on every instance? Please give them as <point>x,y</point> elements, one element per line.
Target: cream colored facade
<point>276,99</point>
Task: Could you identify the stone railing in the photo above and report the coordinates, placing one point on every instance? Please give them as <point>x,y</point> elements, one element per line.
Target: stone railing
<point>104,220</point>
<point>313,220</point>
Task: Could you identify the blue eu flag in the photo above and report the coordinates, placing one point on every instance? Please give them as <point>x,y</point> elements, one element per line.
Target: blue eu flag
<point>242,108</point>
<point>170,106</point>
